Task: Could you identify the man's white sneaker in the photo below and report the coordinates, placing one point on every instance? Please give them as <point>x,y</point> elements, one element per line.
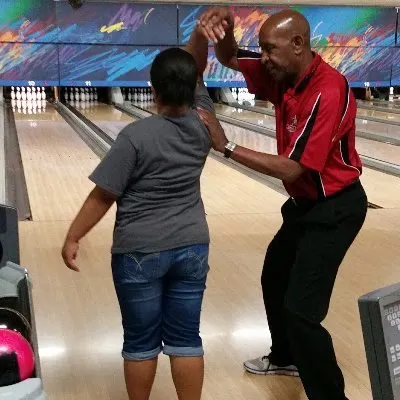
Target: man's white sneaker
<point>262,366</point>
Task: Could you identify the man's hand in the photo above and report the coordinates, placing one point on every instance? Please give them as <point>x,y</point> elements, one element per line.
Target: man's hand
<point>217,133</point>
<point>215,22</point>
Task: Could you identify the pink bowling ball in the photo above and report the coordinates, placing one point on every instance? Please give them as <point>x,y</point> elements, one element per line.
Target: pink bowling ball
<point>13,342</point>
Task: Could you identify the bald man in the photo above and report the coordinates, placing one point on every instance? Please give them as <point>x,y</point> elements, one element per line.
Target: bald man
<point>320,169</point>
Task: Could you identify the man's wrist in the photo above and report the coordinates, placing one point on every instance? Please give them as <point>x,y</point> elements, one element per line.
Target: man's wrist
<point>229,149</point>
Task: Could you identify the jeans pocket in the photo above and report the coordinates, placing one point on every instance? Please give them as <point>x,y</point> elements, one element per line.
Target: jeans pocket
<point>197,261</point>
<point>143,266</point>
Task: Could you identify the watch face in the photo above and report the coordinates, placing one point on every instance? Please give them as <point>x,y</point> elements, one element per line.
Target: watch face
<point>228,151</point>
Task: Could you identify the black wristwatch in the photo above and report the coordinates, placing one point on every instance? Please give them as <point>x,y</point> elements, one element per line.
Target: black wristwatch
<point>229,147</point>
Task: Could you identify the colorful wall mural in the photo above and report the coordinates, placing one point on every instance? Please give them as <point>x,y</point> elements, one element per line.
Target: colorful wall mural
<point>113,44</point>
<point>87,65</point>
<point>114,23</point>
<point>395,63</point>
<point>24,64</point>
<point>355,40</point>
<point>330,26</point>
<point>28,21</point>
<point>360,64</point>
<point>216,75</point>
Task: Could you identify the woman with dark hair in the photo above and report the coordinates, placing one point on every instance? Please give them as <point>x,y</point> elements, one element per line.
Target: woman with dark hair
<point>161,239</point>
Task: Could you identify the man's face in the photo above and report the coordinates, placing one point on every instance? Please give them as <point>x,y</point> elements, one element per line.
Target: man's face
<point>277,54</point>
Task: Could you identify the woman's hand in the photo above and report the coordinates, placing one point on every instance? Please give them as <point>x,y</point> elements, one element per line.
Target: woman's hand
<point>215,22</point>
<point>70,253</point>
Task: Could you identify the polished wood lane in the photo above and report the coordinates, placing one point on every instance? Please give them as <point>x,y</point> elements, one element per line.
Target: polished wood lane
<point>78,318</point>
<point>106,117</point>
<point>56,164</point>
<point>79,324</point>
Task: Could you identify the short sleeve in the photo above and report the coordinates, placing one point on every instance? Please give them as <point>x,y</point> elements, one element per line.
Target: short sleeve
<point>311,143</point>
<point>202,99</point>
<point>116,168</point>
<point>257,79</point>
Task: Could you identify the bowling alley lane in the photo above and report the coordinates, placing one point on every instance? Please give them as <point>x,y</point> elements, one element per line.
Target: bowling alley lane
<point>253,117</point>
<point>77,314</point>
<point>379,129</point>
<point>106,117</point>
<point>388,106</point>
<point>387,117</point>
<point>382,189</point>
<point>370,148</point>
<point>56,164</point>
<point>385,131</point>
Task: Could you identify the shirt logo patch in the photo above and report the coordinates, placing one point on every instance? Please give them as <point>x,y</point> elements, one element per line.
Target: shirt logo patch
<point>293,126</point>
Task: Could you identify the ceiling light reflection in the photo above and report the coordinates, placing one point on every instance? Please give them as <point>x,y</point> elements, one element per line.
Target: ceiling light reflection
<point>251,333</point>
<point>51,351</point>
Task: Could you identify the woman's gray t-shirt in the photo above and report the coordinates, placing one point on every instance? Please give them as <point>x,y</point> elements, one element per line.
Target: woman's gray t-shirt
<point>154,168</point>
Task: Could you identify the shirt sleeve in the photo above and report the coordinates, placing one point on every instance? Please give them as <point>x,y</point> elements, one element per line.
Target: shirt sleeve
<point>257,79</point>
<point>115,169</point>
<point>312,141</point>
<point>202,99</point>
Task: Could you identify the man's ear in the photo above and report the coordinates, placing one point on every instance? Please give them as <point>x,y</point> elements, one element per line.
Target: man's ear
<point>298,43</point>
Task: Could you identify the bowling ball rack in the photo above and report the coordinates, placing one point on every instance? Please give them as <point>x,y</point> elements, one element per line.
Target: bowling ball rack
<point>16,294</point>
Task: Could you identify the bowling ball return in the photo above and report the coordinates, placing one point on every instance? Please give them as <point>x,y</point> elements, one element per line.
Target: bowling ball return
<point>16,294</point>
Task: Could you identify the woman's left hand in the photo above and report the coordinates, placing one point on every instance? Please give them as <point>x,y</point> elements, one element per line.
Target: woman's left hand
<point>70,253</point>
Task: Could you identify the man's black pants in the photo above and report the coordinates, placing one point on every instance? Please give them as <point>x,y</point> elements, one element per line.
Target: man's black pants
<point>299,272</point>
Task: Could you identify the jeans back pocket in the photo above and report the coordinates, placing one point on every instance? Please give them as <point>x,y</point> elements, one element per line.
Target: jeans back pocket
<point>197,265</point>
<point>136,267</point>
